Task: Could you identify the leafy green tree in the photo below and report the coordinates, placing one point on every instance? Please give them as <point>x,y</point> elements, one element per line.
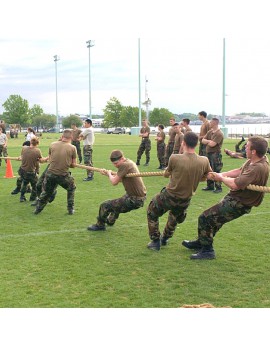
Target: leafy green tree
<point>16,110</point>
<point>72,119</point>
<point>44,121</point>
<point>130,116</point>
<point>160,116</point>
<point>35,111</point>
<point>112,113</point>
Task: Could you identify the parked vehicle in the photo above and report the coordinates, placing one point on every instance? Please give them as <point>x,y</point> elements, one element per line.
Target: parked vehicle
<point>116,131</point>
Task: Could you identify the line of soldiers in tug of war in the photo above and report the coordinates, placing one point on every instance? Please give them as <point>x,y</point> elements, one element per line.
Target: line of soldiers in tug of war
<point>181,164</point>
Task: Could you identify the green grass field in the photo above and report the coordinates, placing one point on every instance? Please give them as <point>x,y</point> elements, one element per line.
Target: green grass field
<point>51,260</point>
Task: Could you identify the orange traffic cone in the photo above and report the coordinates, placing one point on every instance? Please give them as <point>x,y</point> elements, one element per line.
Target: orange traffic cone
<point>9,170</point>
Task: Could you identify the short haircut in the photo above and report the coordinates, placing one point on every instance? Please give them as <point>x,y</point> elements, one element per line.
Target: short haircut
<point>116,155</point>
<point>161,126</point>
<point>186,121</point>
<point>216,120</point>
<point>88,121</point>
<point>67,133</point>
<point>175,124</point>
<point>191,139</point>
<point>34,141</point>
<point>259,144</point>
<point>203,114</point>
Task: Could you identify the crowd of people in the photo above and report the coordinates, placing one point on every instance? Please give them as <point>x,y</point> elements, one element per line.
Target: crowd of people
<point>180,163</point>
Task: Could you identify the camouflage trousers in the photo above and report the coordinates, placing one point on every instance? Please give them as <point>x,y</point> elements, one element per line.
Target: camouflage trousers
<point>202,149</point>
<point>50,183</point>
<point>40,181</point>
<point>3,152</point>
<point>212,219</point>
<point>215,160</point>
<point>169,151</point>
<point>78,147</point>
<point>145,146</point>
<point>161,153</point>
<point>87,158</point>
<point>109,210</point>
<point>158,206</point>
<point>26,178</point>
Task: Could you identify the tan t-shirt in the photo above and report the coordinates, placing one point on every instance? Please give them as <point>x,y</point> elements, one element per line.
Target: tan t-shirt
<point>61,156</point>
<point>217,137</point>
<point>145,129</point>
<point>186,171</point>
<point>30,159</point>
<point>257,174</point>
<point>133,186</point>
<point>172,134</point>
<point>161,135</point>
<point>178,141</point>
<point>204,128</point>
<point>75,134</point>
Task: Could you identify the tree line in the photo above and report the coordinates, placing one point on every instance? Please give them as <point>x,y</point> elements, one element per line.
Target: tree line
<point>17,111</point>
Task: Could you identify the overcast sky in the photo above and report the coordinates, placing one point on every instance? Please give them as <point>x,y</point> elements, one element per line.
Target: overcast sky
<point>181,55</point>
<point>181,48</point>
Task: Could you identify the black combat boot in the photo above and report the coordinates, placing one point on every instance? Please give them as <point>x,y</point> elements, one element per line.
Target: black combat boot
<point>154,245</point>
<point>192,244</point>
<point>206,252</point>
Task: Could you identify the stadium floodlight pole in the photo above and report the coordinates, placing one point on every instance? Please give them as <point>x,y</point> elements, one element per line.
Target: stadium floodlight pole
<point>90,43</point>
<point>56,58</point>
<point>139,71</point>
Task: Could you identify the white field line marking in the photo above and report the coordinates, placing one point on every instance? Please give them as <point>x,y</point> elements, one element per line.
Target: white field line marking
<point>42,234</point>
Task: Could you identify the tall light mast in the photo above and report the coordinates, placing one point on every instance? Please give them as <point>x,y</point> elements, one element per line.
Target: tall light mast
<point>147,101</point>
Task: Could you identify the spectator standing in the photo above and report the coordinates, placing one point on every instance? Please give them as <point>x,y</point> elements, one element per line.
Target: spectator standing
<point>161,146</point>
<point>3,126</point>
<point>75,140</point>
<point>213,141</point>
<point>184,126</point>
<point>88,137</point>
<point>177,148</point>
<point>145,145</point>
<point>170,145</point>
<point>3,144</point>
<point>205,127</point>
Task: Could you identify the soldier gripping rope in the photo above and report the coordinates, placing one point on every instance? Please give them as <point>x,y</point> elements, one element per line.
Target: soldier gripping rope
<point>62,156</point>
<point>237,202</point>
<point>31,156</point>
<point>185,171</point>
<point>133,199</point>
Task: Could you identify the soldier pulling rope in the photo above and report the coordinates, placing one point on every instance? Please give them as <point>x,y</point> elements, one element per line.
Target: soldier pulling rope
<point>149,174</point>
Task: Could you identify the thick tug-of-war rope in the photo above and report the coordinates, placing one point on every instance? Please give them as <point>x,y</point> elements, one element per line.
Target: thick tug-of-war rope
<point>148,174</point>
<point>152,174</point>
